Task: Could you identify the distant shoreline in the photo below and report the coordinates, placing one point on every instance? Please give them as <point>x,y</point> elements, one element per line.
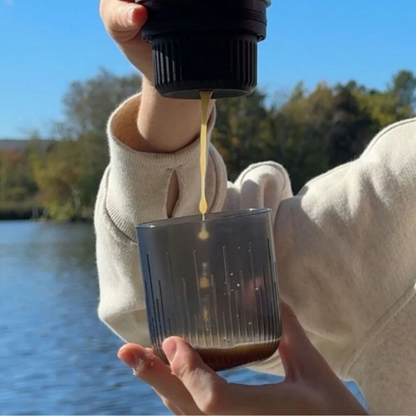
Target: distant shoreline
<point>24,213</point>
<point>20,213</point>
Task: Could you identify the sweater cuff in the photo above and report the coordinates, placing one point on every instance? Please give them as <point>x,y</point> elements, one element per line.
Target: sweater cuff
<point>138,182</point>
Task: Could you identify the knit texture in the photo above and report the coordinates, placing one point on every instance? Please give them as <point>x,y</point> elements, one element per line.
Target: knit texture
<point>345,250</point>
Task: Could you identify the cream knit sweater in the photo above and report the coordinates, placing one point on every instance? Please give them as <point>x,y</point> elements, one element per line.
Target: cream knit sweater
<point>346,250</point>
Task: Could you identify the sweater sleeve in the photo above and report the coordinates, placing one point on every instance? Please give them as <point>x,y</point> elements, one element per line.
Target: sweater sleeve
<point>346,258</point>
<point>133,191</point>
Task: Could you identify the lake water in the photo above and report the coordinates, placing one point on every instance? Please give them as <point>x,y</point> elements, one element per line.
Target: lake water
<point>55,355</point>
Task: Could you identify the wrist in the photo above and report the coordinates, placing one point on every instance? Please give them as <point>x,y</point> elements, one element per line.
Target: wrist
<point>152,123</point>
<point>124,125</point>
<point>166,124</point>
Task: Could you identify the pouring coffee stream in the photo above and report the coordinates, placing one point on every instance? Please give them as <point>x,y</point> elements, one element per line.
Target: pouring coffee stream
<point>203,204</point>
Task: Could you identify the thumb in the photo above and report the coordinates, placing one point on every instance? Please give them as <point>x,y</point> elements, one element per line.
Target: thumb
<point>300,359</point>
<point>201,381</point>
<point>120,17</point>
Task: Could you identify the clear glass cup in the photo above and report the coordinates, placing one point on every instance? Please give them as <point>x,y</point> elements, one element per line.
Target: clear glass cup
<point>214,284</point>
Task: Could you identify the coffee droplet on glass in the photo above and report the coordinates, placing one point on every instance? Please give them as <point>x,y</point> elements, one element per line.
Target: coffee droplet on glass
<point>204,283</point>
<point>203,235</point>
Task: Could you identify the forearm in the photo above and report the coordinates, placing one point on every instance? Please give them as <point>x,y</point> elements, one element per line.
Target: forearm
<point>162,125</point>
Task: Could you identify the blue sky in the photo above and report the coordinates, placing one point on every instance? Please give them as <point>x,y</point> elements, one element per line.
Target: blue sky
<point>46,44</point>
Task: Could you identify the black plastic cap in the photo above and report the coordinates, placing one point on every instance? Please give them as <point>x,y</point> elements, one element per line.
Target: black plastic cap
<point>225,64</point>
<point>205,45</point>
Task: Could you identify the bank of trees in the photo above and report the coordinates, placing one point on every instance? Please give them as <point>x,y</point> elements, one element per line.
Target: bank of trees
<point>313,131</point>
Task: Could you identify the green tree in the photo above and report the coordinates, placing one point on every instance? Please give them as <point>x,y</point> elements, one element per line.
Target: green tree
<point>16,180</point>
<point>404,87</point>
<point>87,107</point>
<point>306,119</point>
<point>387,107</point>
<point>242,131</point>
<point>59,175</point>
<point>351,128</point>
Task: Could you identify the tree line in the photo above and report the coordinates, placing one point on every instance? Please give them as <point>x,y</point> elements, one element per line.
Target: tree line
<point>310,133</point>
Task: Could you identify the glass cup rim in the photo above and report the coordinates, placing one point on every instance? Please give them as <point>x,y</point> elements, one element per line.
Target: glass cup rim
<point>209,218</point>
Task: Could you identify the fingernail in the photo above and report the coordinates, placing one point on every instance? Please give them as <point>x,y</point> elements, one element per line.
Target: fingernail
<point>133,359</point>
<point>128,358</point>
<point>169,347</point>
<point>130,15</point>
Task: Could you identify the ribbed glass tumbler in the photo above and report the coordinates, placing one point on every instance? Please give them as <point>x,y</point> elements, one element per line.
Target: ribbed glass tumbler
<point>214,284</point>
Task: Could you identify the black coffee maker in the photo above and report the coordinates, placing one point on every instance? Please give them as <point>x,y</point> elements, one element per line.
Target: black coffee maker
<point>205,45</point>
